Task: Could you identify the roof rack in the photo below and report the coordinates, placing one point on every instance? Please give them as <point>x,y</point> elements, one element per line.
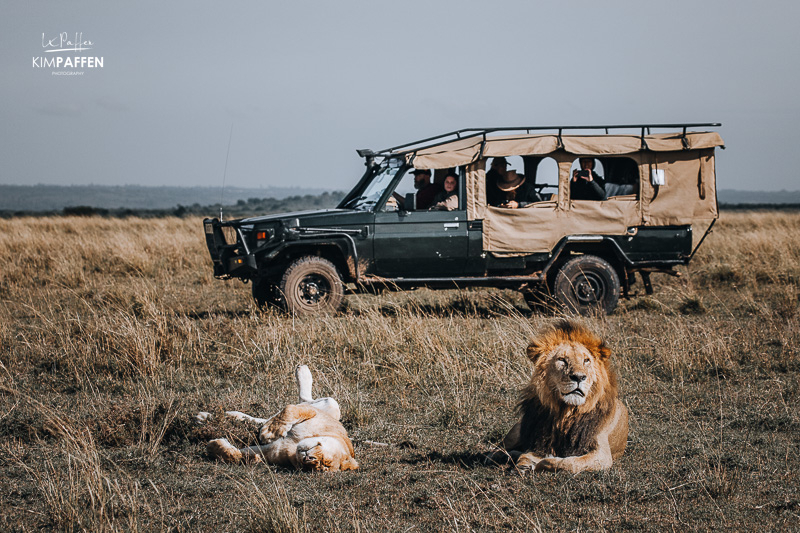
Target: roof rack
<point>483,132</point>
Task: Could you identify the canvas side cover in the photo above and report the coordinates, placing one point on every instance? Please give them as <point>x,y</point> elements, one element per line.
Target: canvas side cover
<point>688,197</point>
<point>540,227</point>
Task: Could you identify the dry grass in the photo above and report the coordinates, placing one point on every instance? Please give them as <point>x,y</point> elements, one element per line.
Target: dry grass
<point>113,334</point>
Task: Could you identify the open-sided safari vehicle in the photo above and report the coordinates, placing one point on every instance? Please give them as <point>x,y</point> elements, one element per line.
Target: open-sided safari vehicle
<point>551,234</point>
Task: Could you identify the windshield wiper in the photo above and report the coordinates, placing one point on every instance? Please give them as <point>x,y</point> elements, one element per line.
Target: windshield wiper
<point>353,201</point>
<point>365,204</point>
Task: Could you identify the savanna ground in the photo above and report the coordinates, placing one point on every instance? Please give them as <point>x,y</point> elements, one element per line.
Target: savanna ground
<point>113,335</point>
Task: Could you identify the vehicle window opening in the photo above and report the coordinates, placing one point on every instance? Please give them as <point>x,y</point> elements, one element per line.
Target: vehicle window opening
<point>544,173</point>
<point>508,184</point>
<point>621,175</point>
<point>425,185</point>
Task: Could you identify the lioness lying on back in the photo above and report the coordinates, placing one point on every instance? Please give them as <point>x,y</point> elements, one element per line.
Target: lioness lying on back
<point>307,435</point>
<point>570,416</point>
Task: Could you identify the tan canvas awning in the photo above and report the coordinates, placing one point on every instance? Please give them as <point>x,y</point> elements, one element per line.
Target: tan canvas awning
<point>466,151</point>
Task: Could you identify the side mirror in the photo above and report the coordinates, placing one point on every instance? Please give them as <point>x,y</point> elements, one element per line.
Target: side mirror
<point>410,202</point>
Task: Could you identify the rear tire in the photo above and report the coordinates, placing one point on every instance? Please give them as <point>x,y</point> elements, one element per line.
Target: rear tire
<point>312,285</point>
<point>587,284</point>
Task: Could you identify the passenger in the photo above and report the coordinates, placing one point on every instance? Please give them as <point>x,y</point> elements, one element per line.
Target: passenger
<point>585,183</point>
<point>506,188</point>
<point>498,167</point>
<point>447,200</point>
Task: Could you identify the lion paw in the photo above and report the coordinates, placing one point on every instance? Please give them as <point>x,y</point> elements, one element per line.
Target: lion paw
<point>273,432</point>
<point>551,464</point>
<point>224,451</point>
<point>527,461</point>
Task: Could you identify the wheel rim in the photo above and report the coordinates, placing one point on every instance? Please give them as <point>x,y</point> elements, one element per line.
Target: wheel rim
<point>313,289</point>
<point>589,288</point>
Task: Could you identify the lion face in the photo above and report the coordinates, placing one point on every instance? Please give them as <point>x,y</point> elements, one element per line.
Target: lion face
<point>570,367</point>
<point>571,373</point>
<point>311,456</point>
<point>324,454</point>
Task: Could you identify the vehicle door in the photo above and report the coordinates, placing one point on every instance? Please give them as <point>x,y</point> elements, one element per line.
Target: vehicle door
<point>416,243</point>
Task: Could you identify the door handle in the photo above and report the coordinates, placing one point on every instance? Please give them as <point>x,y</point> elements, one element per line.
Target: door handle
<point>450,225</point>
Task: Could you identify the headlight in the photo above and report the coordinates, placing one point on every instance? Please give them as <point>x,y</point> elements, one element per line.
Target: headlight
<point>264,235</point>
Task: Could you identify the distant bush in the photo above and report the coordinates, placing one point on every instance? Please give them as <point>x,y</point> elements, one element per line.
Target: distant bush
<point>84,211</point>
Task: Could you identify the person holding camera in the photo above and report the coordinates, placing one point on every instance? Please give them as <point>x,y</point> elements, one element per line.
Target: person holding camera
<point>585,183</point>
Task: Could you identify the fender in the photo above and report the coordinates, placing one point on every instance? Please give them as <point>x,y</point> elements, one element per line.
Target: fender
<point>323,238</point>
<point>602,242</point>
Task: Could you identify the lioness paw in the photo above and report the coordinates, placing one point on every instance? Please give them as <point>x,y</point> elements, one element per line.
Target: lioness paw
<point>224,451</point>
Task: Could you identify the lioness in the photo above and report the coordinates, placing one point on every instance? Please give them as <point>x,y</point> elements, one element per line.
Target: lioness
<point>307,435</point>
<point>570,416</point>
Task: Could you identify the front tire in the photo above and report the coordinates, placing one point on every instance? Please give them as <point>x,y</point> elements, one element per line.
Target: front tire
<point>587,284</point>
<point>312,285</point>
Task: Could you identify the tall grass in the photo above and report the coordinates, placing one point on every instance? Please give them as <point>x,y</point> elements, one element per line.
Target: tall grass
<point>113,334</point>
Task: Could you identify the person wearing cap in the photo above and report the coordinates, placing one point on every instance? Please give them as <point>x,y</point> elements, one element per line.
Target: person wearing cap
<point>505,188</point>
<point>426,190</point>
<point>585,183</point>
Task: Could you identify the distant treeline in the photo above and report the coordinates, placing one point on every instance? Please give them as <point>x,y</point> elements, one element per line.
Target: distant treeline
<point>734,197</point>
<point>242,208</point>
<point>56,197</point>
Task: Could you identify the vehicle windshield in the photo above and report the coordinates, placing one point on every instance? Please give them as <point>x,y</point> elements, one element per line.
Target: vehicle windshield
<point>374,189</point>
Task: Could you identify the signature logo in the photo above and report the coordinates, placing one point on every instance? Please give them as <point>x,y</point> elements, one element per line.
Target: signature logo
<point>64,54</point>
<point>65,43</point>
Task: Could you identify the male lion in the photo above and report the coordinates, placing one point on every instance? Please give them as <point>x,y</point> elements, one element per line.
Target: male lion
<point>570,416</point>
<point>307,435</point>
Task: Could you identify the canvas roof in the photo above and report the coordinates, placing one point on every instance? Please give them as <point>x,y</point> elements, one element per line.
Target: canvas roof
<point>465,151</point>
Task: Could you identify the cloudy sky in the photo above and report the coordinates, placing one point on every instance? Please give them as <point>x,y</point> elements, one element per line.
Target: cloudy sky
<point>303,84</point>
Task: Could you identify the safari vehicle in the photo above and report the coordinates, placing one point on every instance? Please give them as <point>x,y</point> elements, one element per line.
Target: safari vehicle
<point>582,255</point>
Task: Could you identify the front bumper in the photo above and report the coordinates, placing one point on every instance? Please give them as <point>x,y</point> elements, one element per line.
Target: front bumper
<point>230,255</point>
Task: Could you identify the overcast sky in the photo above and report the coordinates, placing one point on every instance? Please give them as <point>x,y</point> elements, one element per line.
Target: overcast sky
<point>304,84</point>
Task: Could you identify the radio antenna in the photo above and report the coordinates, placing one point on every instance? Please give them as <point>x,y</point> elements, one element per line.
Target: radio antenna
<point>225,173</point>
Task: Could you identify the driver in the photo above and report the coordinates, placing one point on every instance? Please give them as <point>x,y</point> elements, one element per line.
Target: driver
<point>426,191</point>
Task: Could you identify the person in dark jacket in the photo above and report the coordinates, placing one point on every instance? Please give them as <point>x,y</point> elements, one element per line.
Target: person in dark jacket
<point>585,183</point>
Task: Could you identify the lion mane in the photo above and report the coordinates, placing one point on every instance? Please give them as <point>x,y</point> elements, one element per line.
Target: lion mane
<point>570,415</point>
